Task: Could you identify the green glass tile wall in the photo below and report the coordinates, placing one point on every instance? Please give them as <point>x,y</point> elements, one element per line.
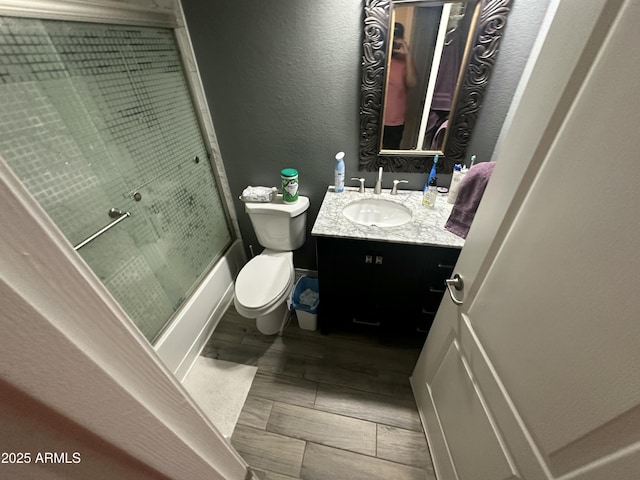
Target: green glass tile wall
<point>92,114</point>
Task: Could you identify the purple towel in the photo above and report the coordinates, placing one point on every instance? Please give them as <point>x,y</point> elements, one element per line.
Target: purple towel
<point>469,196</point>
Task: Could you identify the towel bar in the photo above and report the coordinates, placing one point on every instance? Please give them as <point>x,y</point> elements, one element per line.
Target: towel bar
<point>113,213</point>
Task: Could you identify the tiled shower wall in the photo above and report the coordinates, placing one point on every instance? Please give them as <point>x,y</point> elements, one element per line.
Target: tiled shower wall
<point>94,114</point>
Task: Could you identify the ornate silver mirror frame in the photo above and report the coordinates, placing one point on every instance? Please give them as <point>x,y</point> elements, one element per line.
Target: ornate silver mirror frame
<point>492,17</point>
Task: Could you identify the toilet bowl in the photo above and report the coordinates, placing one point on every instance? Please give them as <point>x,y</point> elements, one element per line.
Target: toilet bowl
<point>263,287</point>
<point>264,284</point>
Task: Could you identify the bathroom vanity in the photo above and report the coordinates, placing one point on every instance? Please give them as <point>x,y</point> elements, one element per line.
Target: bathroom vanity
<point>383,279</point>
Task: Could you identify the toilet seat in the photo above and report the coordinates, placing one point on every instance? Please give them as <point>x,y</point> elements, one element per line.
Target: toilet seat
<point>263,283</point>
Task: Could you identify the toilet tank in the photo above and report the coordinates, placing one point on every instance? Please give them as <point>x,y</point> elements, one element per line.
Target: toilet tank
<point>278,225</point>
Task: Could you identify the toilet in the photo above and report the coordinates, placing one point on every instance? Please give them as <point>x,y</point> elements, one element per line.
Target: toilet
<point>266,281</point>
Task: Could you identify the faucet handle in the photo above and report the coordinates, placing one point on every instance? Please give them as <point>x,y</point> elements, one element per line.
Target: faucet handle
<point>361,180</point>
<point>394,190</point>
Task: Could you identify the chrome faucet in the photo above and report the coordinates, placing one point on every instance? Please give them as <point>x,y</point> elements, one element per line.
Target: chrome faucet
<point>378,188</point>
<point>394,190</point>
<point>361,180</point>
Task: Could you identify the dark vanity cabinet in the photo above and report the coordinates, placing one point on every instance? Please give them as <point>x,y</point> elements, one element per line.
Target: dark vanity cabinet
<point>379,286</point>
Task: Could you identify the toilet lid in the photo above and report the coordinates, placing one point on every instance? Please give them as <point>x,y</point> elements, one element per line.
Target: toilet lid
<point>262,280</point>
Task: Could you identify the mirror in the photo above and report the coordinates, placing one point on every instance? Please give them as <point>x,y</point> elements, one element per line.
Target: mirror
<point>426,65</point>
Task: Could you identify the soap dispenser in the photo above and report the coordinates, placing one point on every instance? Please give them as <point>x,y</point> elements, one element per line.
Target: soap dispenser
<point>430,194</point>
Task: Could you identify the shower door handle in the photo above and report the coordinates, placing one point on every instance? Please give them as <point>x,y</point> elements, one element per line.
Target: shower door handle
<point>113,213</point>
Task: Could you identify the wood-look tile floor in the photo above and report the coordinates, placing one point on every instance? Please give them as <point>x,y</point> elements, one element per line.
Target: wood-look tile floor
<point>335,406</point>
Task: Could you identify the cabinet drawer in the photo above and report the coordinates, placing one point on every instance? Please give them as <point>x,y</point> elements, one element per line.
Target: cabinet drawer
<point>440,263</point>
<point>424,322</point>
<point>440,258</point>
<point>430,300</point>
<point>429,305</point>
<point>337,318</point>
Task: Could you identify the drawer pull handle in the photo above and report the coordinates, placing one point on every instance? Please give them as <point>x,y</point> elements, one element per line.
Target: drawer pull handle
<point>378,260</point>
<point>421,330</point>
<point>449,267</point>
<point>427,312</point>
<point>373,324</point>
<point>436,290</point>
<point>368,259</point>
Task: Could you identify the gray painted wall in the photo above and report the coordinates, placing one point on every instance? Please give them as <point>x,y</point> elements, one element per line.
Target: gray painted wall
<point>282,80</point>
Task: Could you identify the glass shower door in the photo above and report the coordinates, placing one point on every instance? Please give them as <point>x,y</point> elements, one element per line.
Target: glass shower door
<point>96,117</point>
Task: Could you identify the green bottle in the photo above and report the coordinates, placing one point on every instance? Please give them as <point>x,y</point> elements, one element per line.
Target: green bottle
<point>289,185</point>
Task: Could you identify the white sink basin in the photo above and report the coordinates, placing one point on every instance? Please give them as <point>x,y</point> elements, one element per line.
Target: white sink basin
<point>377,211</point>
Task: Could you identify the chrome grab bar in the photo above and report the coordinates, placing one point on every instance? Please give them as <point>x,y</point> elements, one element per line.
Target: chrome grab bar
<point>113,213</point>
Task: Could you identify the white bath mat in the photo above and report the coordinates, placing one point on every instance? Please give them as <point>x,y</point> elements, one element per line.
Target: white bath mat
<point>220,389</point>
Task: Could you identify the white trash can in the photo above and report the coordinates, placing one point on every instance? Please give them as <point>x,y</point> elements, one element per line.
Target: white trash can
<point>305,301</point>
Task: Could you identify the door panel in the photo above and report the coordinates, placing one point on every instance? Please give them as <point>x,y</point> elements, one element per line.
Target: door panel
<point>509,426</point>
<point>548,330</point>
<point>542,337</point>
<point>477,456</point>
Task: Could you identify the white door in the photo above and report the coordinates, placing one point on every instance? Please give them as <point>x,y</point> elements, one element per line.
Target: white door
<point>536,375</point>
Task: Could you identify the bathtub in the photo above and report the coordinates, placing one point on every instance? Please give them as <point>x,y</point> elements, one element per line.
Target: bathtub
<point>182,341</point>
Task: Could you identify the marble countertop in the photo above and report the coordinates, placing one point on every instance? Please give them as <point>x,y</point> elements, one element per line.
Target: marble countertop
<point>426,226</point>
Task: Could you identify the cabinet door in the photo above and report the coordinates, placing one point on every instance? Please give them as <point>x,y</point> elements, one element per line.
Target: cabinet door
<point>367,285</point>
<point>397,276</point>
<point>345,269</point>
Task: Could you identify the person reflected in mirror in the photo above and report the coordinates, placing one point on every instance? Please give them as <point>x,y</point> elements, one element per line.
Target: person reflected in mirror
<point>402,76</point>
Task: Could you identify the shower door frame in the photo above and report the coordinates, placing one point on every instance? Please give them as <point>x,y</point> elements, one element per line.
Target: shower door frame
<point>186,332</point>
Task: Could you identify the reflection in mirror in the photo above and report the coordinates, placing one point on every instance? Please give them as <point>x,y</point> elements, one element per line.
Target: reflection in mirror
<point>426,65</point>
<point>421,81</point>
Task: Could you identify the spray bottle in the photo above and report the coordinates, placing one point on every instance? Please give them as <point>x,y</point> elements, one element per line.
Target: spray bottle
<point>339,173</point>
